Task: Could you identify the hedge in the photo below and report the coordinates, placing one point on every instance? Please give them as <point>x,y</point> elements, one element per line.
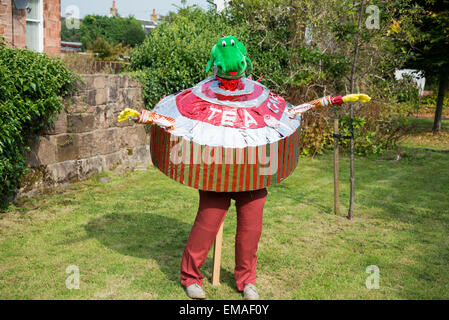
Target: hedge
<point>31,89</point>
<point>174,56</point>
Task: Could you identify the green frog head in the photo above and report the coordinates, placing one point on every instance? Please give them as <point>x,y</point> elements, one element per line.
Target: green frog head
<point>229,55</point>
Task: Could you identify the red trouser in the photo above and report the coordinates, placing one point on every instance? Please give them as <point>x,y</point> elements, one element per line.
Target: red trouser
<point>211,213</point>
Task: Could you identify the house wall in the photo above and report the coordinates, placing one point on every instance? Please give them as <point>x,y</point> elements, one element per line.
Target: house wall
<point>13,25</point>
<point>6,19</point>
<point>19,24</point>
<point>52,27</point>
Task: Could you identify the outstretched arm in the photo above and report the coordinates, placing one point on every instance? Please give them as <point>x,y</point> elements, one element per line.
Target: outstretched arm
<point>328,101</point>
<point>147,117</point>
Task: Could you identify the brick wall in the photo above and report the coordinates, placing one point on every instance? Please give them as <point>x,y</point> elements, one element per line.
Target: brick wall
<point>19,24</point>
<point>86,138</point>
<point>12,24</point>
<point>5,19</point>
<point>52,27</point>
<point>14,21</point>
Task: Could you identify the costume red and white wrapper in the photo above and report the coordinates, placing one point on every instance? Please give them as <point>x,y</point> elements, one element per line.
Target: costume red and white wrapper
<point>150,117</point>
<point>228,141</point>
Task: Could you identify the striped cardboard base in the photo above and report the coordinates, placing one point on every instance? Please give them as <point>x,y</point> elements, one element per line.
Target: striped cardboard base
<point>223,169</point>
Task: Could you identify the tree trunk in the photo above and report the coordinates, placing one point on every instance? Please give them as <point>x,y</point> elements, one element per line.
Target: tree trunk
<point>336,169</point>
<point>351,114</point>
<point>442,87</point>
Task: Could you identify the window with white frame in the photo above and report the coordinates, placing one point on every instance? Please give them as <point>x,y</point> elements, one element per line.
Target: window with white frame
<point>35,25</point>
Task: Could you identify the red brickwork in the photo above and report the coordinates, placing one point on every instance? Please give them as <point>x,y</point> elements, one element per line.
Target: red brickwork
<point>13,25</point>
<point>5,19</point>
<point>52,27</point>
<point>20,31</point>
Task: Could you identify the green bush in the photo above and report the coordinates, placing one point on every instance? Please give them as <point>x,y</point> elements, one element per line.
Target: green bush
<point>115,30</point>
<point>173,58</point>
<point>431,100</point>
<point>31,87</point>
<point>70,34</point>
<point>376,129</point>
<point>174,55</point>
<point>104,51</point>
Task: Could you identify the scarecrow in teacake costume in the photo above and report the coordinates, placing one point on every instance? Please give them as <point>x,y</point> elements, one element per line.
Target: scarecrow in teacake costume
<point>229,137</point>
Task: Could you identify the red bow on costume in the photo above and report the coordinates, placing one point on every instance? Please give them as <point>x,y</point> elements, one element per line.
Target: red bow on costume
<point>230,85</point>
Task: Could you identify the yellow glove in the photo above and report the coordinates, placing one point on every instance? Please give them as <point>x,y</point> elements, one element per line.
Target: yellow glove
<point>356,97</point>
<point>125,114</point>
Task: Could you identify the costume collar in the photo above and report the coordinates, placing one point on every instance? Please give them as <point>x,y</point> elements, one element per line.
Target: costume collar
<point>230,85</point>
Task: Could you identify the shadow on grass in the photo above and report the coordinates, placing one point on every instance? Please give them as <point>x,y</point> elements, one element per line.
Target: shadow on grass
<point>149,236</point>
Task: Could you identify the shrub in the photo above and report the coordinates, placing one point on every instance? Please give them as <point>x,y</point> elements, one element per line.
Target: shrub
<point>174,55</point>
<point>431,100</point>
<point>114,30</point>
<point>31,87</point>
<point>103,50</point>
<point>378,127</point>
<point>70,34</point>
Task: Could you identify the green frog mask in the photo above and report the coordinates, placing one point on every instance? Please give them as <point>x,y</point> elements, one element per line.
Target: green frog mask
<point>229,55</point>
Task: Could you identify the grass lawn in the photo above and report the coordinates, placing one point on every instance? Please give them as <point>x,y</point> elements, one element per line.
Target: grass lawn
<point>127,235</point>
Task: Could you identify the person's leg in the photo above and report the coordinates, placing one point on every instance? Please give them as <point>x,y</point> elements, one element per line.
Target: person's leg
<point>249,229</point>
<point>211,213</point>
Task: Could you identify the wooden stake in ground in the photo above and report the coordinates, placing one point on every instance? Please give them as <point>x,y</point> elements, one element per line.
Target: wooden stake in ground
<point>336,169</point>
<point>217,257</point>
<point>351,160</point>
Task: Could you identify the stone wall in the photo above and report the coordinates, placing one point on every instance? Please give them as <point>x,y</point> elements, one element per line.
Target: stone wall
<point>86,137</point>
